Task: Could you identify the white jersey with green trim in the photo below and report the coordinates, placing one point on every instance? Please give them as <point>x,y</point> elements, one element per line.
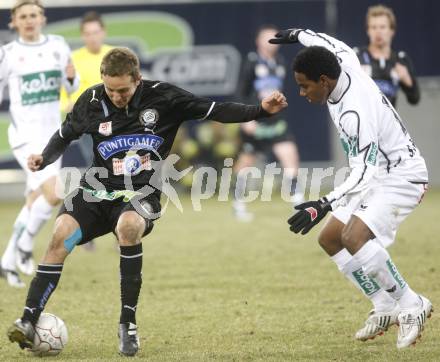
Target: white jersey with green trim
<point>372,133</point>
<point>34,73</point>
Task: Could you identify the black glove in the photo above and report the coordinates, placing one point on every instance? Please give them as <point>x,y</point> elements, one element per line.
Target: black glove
<point>287,36</point>
<point>310,214</point>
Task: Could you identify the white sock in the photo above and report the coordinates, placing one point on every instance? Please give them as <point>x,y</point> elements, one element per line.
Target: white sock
<point>240,186</point>
<point>353,271</point>
<point>377,264</point>
<point>8,258</point>
<point>40,212</point>
<point>240,189</point>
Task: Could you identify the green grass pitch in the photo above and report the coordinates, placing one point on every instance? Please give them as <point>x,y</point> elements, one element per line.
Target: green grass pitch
<point>217,290</point>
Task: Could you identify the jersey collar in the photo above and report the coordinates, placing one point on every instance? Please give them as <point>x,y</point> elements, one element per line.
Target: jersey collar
<point>133,104</point>
<point>136,99</point>
<point>342,86</point>
<point>41,40</point>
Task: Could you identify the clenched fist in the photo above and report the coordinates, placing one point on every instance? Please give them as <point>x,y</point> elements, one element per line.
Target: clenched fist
<point>34,162</point>
<point>274,103</point>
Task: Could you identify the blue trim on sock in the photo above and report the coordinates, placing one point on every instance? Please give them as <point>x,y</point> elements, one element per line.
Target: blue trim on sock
<point>46,295</point>
<point>72,240</point>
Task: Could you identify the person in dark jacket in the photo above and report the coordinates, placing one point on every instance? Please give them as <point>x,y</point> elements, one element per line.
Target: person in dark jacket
<point>390,69</point>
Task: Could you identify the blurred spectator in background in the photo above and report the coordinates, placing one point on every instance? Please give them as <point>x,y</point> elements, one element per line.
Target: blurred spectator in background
<point>263,72</point>
<point>87,61</point>
<point>34,67</point>
<point>390,69</point>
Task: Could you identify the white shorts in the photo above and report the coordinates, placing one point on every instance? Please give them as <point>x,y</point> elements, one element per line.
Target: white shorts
<point>383,207</point>
<point>35,179</point>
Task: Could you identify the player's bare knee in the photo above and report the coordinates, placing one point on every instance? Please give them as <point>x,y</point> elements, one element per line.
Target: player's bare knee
<point>51,197</point>
<point>347,237</point>
<point>130,228</point>
<point>53,200</point>
<point>66,235</point>
<point>56,251</point>
<point>324,239</point>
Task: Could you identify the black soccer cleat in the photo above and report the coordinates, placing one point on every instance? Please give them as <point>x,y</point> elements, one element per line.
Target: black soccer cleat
<point>23,333</point>
<point>128,339</point>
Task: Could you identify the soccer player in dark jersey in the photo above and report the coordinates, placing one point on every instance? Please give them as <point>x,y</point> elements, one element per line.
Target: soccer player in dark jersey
<point>390,69</point>
<point>133,123</point>
<point>263,72</point>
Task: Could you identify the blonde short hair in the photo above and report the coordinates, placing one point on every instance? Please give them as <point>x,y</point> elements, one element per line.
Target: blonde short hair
<point>121,61</point>
<point>381,10</point>
<point>20,3</point>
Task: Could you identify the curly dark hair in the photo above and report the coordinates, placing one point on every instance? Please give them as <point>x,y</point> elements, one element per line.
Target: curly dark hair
<point>315,61</point>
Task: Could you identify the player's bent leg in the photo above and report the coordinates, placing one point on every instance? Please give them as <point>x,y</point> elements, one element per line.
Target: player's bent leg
<point>48,189</point>
<point>386,310</point>
<point>129,230</point>
<point>287,153</point>
<point>329,237</point>
<point>8,269</point>
<point>32,196</point>
<point>377,264</point>
<point>355,235</point>
<point>241,213</point>
<point>66,234</point>
<point>40,212</point>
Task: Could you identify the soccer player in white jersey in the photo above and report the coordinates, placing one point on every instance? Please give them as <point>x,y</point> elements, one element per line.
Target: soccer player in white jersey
<point>388,179</point>
<point>34,66</point>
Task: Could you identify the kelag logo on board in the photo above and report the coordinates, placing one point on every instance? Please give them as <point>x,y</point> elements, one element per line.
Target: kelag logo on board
<point>164,43</point>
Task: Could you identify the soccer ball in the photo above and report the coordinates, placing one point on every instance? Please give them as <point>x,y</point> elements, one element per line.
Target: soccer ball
<point>50,335</point>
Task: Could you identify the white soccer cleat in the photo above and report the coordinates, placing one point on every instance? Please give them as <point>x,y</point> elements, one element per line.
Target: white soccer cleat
<point>12,278</point>
<point>377,323</point>
<point>412,322</point>
<point>25,261</point>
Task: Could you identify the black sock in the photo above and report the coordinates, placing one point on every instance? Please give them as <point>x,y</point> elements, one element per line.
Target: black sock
<point>293,184</point>
<point>131,281</point>
<point>42,286</point>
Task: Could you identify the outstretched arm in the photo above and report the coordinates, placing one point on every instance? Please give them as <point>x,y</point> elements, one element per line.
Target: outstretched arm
<point>187,106</point>
<point>307,37</point>
<point>229,112</point>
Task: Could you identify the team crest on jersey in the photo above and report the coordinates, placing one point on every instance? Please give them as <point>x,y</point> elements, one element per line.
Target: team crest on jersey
<point>132,164</point>
<point>148,118</point>
<point>56,55</point>
<point>105,128</point>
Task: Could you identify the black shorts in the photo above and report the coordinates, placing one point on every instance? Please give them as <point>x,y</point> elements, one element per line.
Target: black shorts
<point>269,133</point>
<point>97,214</point>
